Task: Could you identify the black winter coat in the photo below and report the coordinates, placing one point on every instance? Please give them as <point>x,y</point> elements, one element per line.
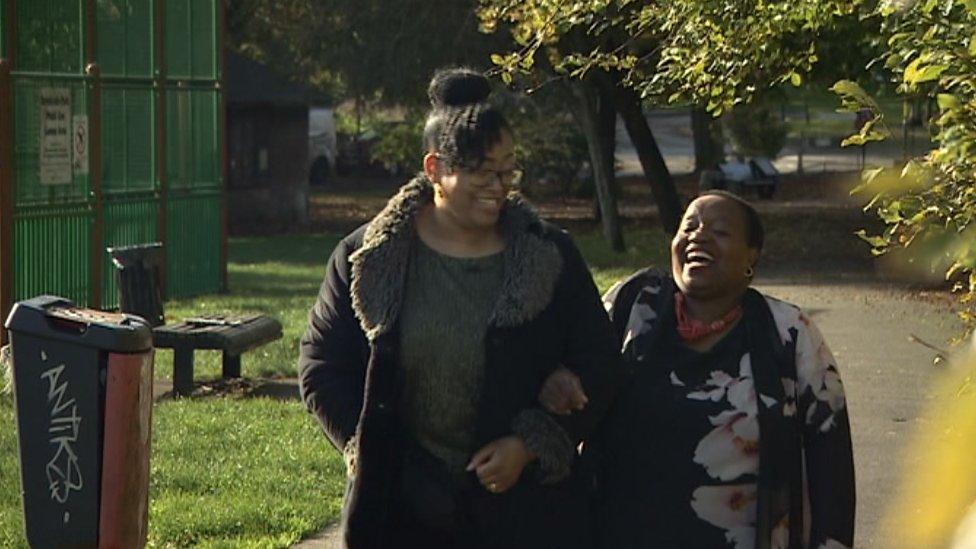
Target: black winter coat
<point>548,314</point>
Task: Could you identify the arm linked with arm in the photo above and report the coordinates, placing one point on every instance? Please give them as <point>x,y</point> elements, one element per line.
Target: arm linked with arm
<point>590,353</point>
<point>592,349</point>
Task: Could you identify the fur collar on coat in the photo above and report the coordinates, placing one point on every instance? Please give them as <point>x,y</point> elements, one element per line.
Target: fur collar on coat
<point>533,262</point>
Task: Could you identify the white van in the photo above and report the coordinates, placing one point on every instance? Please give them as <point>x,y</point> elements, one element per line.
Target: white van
<point>321,145</point>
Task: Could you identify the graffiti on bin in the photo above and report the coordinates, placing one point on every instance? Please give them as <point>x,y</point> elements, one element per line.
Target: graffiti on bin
<point>63,473</point>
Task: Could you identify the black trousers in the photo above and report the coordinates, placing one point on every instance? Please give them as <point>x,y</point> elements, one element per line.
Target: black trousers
<point>529,517</point>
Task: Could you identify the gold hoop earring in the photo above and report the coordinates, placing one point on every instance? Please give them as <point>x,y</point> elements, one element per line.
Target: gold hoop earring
<point>750,272</point>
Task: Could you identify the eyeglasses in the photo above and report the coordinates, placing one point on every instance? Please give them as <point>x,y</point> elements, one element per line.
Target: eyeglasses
<point>483,177</point>
<point>508,178</point>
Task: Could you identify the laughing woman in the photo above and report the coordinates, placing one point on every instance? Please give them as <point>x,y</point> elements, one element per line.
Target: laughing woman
<point>733,429</point>
<point>434,329</point>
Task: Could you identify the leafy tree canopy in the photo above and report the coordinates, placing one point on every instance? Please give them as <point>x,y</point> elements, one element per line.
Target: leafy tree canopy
<point>929,205</point>
<point>368,49</point>
<point>710,52</point>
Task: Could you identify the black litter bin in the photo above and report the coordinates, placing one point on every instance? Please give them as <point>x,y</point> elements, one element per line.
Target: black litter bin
<point>83,400</point>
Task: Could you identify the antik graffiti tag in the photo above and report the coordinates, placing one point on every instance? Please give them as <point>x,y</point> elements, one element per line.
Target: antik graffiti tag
<point>63,473</point>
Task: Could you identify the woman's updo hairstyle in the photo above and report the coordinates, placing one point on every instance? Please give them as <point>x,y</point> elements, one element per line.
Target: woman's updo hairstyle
<point>462,125</point>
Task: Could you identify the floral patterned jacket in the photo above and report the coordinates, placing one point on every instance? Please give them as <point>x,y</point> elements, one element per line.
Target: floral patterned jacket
<point>805,495</point>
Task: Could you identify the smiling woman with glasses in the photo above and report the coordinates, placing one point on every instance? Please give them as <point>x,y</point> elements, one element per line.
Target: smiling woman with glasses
<point>435,326</point>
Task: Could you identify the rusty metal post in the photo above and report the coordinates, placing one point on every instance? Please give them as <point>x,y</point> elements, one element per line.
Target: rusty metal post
<point>6,194</point>
<point>7,167</point>
<point>10,34</point>
<point>94,80</point>
<point>222,135</point>
<point>159,90</point>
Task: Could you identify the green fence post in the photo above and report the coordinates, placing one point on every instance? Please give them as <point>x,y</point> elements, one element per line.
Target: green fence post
<point>93,72</point>
<point>222,136</point>
<point>159,89</point>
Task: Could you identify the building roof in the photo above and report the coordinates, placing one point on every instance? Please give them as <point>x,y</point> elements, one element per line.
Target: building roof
<point>248,82</point>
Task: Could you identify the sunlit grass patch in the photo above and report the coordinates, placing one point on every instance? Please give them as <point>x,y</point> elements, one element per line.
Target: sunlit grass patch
<point>644,248</point>
<point>277,276</point>
<point>240,472</point>
<point>11,516</point>
<point>226,472</point>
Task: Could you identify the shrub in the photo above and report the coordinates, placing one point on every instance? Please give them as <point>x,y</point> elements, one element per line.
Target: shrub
<point>399,146</point>
<point>549,144</point>
<point>755,130</point>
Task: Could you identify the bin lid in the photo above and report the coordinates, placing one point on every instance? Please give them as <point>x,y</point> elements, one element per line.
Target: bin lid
<point>58,318</point>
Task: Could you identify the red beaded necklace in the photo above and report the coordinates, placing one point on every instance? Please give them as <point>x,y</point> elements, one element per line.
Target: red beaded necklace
<point>692,330</point>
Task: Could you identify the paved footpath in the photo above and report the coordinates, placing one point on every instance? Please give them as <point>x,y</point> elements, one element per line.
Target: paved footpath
<point>887,377</point>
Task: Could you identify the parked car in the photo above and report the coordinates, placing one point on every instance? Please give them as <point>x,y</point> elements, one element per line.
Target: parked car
<point>739,177</point>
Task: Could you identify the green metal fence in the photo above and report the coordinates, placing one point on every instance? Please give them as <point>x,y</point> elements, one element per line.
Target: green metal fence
<point>188,217</point>
<point>49,36</point>
<point>125,38</point>
<point>130,187</point>
<point>193,171</point>
<point>52,251</point>
<point>191,39</point>
<point>53,210</point>
<point>139,97</point>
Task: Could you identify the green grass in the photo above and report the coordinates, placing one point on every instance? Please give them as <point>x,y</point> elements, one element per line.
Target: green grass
<point>11,521</point>
<point>644,247</point>
<point>277,276</point>
<point>240,472</point>
<point>226,472</point>
<point>248,472</point>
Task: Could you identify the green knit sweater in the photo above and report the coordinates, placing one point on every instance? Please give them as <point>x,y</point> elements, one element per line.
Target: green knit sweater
<point>443,322</point>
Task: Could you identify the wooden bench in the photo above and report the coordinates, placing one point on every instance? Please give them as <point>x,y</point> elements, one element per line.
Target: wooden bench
<point>138,274</point>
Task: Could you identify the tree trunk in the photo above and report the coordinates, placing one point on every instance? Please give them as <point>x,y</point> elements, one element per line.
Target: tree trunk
<point>589,116</point>
<point>607,121</point>
<point>656,172</point>
<point>707,136</point>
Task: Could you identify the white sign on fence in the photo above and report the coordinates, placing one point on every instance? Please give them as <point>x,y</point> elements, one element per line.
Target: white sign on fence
<point>55,152</point>
<point>79,144</point>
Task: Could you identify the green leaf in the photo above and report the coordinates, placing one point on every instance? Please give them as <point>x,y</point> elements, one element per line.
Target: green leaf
<point>970,5</point>
<point>868,178</point>
<point>874,241</point>
<point>796,79</point>
<point>947,101</point>
<point>497,59</point>
<point>929,73</point>
<point>851,90</point>
<point>955,268</point>
<point>916,73</point>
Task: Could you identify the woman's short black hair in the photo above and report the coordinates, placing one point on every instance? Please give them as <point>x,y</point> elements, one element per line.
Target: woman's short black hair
<point>755,233</point>
<point>462,125</point>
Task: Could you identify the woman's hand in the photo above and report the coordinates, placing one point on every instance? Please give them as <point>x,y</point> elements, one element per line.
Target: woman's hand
<point>499,463</point>
<point>562,393</point>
